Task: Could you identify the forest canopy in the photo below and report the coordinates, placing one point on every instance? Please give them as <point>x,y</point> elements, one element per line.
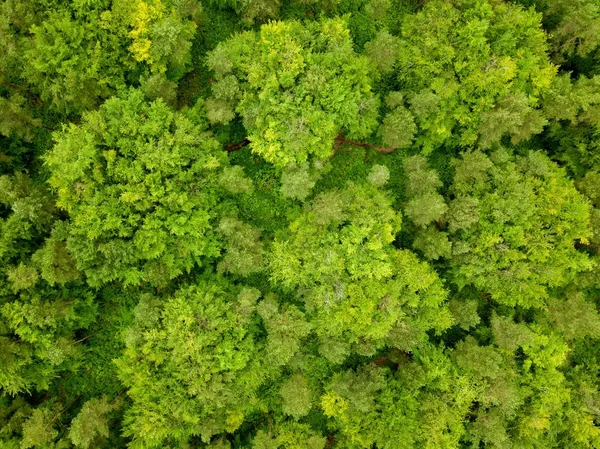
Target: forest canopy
<point>303,224</point>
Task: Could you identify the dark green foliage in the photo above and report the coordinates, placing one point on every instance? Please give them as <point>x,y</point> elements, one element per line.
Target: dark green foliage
<point>573,27</point>
<point>38,319</point>
<point>91,423</point>
<point>75,63</point>
<point>289,435</point>
<point>303,224</point>
<point>251,10</point>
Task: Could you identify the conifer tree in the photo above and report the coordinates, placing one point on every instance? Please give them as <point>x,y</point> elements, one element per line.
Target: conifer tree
<point>473,71</point>
<point>360,292</point>
<point>295,86</point>
<point>140,182</point>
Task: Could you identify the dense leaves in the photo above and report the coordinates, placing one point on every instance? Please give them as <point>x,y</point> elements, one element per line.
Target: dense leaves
<point>139,183</point>
<point>529,217</point>
<point>360,291</point>
<point>195,346</point>
<point>473,71</point>
<point>296,87</point>
<point>304,224</point>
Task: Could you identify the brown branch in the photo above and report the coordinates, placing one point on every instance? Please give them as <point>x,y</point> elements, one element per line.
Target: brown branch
<point>88,336</point>
<point>330,441</point>
<point>55,417</point>
<point>230,147</point>
<point>340,140</point>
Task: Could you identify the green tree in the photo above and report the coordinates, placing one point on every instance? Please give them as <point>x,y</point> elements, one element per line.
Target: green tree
<point>289,435</point>
<point>572,27</point>
<point>251,10</point>
<point>359,291</point>
<point>39,311</point>
<point>397,130</point>
<point>140,184</point>
<point>425,208</point>
<point>75,58</point>
<point>473,71</point>
<point>295,86</point>
<point>296,396</point>
<point>160,33</point>
<point>91,423</point>
<point>192,364</point>
<point>423,404</point>
<point>243,248</point>
<point>529,218</point>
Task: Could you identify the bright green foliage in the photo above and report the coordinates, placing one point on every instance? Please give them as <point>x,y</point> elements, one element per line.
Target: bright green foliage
<point>303,224</point>
<point>91,423</point>
<point>288,435</point>
<point>425,207</point>
<point>81,53</point>
<point>243,248</point>
<point>574,317</point>
<point>54,261</point>
<point>590,187</point>
<point>160,32</point>
<point>576,101</point>
<point>398,127</point>
<point>295,86</point>
<point>358,289</point>
<point>191,364</point>
<point>423,405</point>
<point>523,396</point>
<point>37,329</point>
<point>530,217</point>
<point>473,71</point>
<point>578,142</point>
<point>138,181</point>
<point>360,225</point>
<point>32,211</point>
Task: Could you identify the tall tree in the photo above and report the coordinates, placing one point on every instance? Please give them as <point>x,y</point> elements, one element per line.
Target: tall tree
<point>473,71</point>
<point>140,184</point>
<point>295,86</point>
<point>516,240</point>
<point>360,292</point>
